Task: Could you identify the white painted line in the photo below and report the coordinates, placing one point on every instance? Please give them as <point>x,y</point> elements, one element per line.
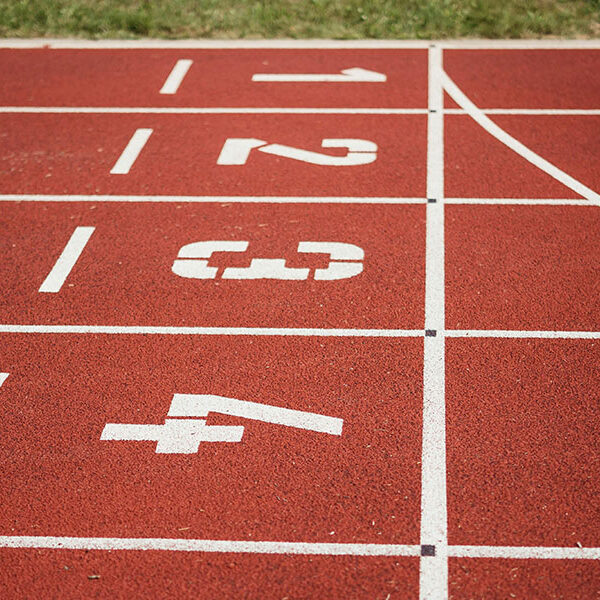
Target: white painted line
<point>211,44</point>
<point>176,76</point>
<point>66,261</point>
<point>116,110</point>
<point>434,529</point>
<point>166,330</point>
<point>498,333</point>
<point>308,548</point>
<point>521,201</point>
<point>301,332</point>
<point>479,44</point>
<point>541,163</point>
<point>132,150</point>
<point>276,110</point>
<point>211,199</point>
<point>195,545</point>
<point>524,552</point>
<point>351,75</point>
<point>553,112</point>
<point>3,377</point>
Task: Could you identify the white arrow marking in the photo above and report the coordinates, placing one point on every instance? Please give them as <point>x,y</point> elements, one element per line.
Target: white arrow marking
<point>3,377</point>
<point>199,405</point>
<point>353,75</point>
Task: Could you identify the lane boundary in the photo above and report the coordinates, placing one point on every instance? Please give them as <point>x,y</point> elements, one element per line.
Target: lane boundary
<point>297,548</point>
<point>294,331</point>
<point>317,44</point>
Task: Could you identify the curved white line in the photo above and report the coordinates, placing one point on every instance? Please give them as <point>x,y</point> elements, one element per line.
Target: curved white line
<point>541,163</point>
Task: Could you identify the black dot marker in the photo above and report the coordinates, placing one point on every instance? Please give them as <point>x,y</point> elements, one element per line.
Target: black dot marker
<point>427,550</point>
<point>430,333</point>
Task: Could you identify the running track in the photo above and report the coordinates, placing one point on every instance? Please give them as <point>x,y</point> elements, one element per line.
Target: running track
<point>271,328</point>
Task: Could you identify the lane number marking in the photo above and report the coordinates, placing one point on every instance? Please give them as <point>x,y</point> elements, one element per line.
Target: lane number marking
<point>236,151</point>
<point>352,75</point>
<point>345,261</point>
<point>185,427</point>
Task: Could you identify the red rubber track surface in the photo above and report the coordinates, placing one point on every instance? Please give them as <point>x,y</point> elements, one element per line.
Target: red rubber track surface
<point>503,578</point>
<point>217,78</point>
<point>73,154</point>
<point>523,267</point>
<point>278,483</point>
<point>124,275</point>
<point>521,467</point>
<point>522,419</point>
<point>538,78</point>
<point>65,574</point>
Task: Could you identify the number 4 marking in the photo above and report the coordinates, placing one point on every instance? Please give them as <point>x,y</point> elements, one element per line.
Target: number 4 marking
<point>236,151</point>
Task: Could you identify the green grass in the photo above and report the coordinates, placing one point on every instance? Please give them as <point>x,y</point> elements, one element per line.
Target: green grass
<point>342,19</point>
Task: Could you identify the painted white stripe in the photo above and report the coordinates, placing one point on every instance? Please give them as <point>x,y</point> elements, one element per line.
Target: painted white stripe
<point>66,261</point>
<point>532,552</point>
<point>434,569</point>
<point>273,331</point>
<point>159,110</point>
<point>272,110</point>
<point>558,112</point>
<point>479,44</point>
<point>519,201</point>
<point>132,150</point>
<point>3,377</point>
<point>176,76</point>
<point>194,545</point>
<point>310,548</point>
<point>498,333</point>
<point>166,330</point>
<point>207,199</point>
<point>541,163</point>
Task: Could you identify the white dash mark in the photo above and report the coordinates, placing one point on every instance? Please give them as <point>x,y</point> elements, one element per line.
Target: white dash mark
<point>3,377</point>
<point>132,150</point>
<point>176,76</point>
<point>66,261</point>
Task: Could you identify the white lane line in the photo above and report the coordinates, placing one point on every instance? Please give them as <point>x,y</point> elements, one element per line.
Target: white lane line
<point>521,201</point>
<point>434,530</point>
<point>314,548</point>
<point>541,163</point>
<point>500,333</point>
<point>3,377</point>
<point>302,332</point>
<point>553,44</point>
<point>173,81</point>
<point>523,552</point>
<point>132,150</point>
<point>213,199</point>
<point>166,330</point>
<point>556,112</point>
<point>66,261</point>
<point>268,110</point>
<point>110,110</point>
<point>195,545</point>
